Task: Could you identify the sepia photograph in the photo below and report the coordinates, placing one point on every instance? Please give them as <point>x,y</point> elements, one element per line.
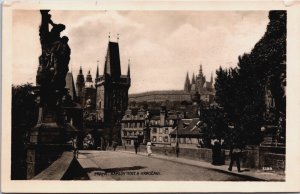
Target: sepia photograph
<point>148,95</point>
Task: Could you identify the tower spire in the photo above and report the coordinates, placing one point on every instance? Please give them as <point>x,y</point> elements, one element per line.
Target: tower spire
<point>97,72</point>
<point>193,79</point>
<point>128,71</point>
<point>80,70</point>
<point>187,84</point>
<point>211,78</point>
<point>200,71</point>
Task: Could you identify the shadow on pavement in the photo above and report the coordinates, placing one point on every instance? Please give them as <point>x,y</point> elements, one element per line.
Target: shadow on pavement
<point>109,170</point>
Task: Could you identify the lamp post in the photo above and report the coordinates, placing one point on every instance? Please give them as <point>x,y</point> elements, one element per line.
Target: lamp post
<point>147,129</point>
<point>177,144</point>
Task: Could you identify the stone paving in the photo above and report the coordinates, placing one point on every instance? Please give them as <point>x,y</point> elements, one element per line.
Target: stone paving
<point>122,165</point>
<point>250,173</point>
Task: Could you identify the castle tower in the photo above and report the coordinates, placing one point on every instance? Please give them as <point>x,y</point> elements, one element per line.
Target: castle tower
<point>80,83</point>
<point>187,84</point>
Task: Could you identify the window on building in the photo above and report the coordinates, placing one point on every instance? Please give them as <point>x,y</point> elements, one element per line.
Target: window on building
<point>166,131</point>
<point>127,116</point>
<point>154,138</point>
<point>154,130</point>
<point>160,130</point>
<point>128,142</point>
<point>160,139</point>
<point>173,140</point>
<point>166,139</point>
<point>141,116</point>
<point>141,124</point>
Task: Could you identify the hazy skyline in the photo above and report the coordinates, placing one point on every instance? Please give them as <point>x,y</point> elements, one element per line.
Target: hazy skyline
<point>162,45</point>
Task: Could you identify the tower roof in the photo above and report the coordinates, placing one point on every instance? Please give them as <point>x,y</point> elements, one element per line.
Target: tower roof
<point>193,79</point>
<point>187,84</point>
<point>89,80</point>
<point>80,78</point>
<point>80,70</point>
<point>112,65</point>
<point>70,85</point>
<point>200,71</point>
<point>128,71</point>
<point>97,72</point>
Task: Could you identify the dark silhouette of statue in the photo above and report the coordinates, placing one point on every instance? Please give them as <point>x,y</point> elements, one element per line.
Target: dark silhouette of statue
<point>55,57</point>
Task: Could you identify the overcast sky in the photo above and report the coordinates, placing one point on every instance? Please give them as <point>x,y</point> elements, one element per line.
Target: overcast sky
<point>162,45</point>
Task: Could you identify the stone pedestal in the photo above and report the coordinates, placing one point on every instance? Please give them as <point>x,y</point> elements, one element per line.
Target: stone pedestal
<point>47,140</point>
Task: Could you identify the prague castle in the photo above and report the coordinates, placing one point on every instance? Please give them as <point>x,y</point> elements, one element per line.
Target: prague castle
<point>198,85</point>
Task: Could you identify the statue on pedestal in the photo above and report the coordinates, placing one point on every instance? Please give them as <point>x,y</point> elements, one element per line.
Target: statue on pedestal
<point>48,138</point>
<point>55,57</point>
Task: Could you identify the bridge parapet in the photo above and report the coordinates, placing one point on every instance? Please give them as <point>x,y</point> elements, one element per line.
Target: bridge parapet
<point>58,169</point>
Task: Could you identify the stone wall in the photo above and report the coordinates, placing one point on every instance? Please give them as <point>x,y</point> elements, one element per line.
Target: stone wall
<point>252,157</point>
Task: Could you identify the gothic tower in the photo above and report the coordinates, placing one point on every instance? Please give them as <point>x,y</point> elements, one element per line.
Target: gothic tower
<point>112,88</point>
<point>80,85</point>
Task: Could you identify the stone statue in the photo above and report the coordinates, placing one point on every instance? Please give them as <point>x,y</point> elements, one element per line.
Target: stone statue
<point>55,57</point>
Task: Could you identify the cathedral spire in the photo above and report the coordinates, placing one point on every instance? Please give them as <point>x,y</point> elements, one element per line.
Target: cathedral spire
<point>187,84</point>
<point>200,71</point>
<point>193,79</point>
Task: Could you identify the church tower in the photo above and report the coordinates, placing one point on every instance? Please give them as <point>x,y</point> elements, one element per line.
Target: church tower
<point>80,85</point>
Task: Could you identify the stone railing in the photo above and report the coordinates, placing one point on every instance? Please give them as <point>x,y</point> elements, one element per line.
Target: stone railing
<point>252,157</point>
<point>64,168</point>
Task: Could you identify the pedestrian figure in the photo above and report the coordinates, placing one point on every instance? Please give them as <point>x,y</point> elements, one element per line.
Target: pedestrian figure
<point>74,146</point>
<point>149,150</point>
<point>115,145</point>
<point>136,146</point>
<point>235,154</point>
<point>217,153</point>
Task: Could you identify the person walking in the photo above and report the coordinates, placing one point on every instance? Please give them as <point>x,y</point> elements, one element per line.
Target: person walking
<point>235,154</point>
<point>115,144</point>
<point>136,146</point>
<point>149,149</point>
<point>74,146</point>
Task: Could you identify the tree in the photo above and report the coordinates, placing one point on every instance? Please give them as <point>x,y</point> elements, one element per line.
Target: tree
<point>24,117</point>
<point>241,91</point>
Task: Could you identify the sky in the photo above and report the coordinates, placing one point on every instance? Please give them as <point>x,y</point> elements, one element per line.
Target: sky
<point>162,45</point>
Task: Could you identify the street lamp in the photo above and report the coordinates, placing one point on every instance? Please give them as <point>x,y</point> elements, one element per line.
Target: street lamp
<point>177,144</point>
<point>147,129</point>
